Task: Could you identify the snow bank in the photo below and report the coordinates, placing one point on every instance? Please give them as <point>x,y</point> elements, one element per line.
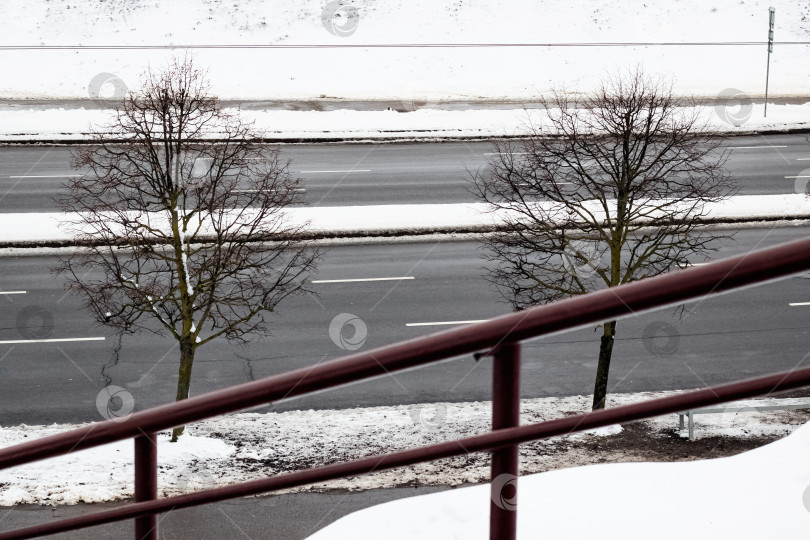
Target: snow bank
<point>37,123</point>
<point>408,218</point>
<point>759,494</point>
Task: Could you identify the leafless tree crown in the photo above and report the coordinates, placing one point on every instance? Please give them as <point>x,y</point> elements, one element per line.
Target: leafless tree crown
<point>609,188</point>
<point>173,210</point>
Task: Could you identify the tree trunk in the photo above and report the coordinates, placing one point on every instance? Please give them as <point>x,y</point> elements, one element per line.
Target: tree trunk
<point>183,378</point>
<point>605,352</point>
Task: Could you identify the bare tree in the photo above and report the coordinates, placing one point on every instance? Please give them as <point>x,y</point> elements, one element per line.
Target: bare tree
<point>183,219</point>
<point>612,191</point>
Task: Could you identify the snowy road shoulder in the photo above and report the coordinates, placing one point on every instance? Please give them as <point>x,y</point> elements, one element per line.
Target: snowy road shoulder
<point>247,446</point>
<point>20,124</point>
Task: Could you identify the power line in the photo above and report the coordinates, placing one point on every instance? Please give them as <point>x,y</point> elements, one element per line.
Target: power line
<point>404,45</point>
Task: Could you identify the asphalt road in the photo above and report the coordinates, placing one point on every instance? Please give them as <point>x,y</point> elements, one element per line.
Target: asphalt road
<point>364,174</point>
<point>750,332</point>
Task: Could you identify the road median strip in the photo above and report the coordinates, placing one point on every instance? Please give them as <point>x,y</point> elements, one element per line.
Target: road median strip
<point>378,222</point>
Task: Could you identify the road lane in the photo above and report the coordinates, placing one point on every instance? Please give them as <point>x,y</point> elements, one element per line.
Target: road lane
<point>364,174</point>
<point>734,335</point>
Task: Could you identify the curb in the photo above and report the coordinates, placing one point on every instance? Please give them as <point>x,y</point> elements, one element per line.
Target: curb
<point>430,136</point>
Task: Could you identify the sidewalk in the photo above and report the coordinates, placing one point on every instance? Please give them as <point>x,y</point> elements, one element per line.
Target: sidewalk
<point>285,517</point>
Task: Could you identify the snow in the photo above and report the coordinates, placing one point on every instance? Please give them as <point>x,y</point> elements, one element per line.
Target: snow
<point>246,446</point>
<point>198,339</point>
<point>27,228</point>
<point>601,432</point>
<point>130,280</point>
<point>184,247</point>
<point>105,472</point>
<point>44,123</point>
<point>754,495</point>
<point>417,83</point>
<point>406,74</point>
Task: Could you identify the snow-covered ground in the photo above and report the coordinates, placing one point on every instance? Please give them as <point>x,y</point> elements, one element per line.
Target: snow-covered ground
<point>33,228</point>
<point>413,81</point>
<point>245,446</point>
<point>407,74</point>
<point>762,493</point>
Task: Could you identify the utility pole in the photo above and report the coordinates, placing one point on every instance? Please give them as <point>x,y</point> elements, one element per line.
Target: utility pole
<point>771,14</point>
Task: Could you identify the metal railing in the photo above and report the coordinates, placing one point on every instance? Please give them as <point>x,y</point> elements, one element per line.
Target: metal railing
<point>499,338</point>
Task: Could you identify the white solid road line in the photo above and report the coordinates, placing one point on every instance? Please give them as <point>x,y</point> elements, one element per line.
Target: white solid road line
<point>441,323</point>
<point>257,190</point>
<point>548,183</point>
<point>49,176</point>
<point>361,279</point>
<point>744,147</point>
<point>803,159</point>
<point>13,292</point>
<point>346,171</point>
<point>60,340</point>
<point>799,304</point>
<point>803,176</point>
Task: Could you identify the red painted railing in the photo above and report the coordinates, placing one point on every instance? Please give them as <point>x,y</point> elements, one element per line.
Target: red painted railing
<point>498,337</point>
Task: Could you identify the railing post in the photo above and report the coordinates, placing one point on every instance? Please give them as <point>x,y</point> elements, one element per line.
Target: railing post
<point>146,483</point>
<point>505,414</point>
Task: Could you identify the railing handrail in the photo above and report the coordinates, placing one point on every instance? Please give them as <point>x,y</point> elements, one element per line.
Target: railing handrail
<point>478,443</point>
<point>605,304</point>
<point>501,335</point>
